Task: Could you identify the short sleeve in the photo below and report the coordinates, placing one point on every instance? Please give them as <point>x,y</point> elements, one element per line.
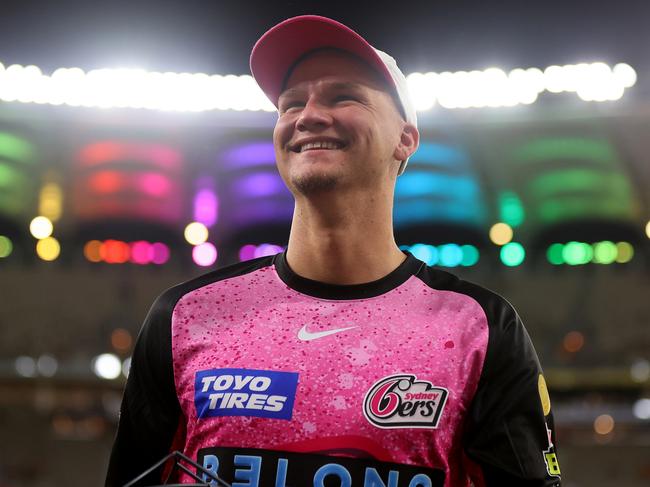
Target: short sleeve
<point>509,436</point>
<point>150,412</point>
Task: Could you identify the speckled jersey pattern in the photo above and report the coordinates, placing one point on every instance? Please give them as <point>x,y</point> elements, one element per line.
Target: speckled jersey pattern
<point>253,322</point>
<point>267,378</point>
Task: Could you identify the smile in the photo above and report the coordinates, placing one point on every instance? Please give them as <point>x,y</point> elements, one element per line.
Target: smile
<point>318,145</point>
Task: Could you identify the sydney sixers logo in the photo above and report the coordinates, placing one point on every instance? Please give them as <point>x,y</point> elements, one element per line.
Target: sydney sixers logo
<point>400,401</point>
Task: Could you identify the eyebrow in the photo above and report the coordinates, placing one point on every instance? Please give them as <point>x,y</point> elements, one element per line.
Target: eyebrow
<point>334,86</point>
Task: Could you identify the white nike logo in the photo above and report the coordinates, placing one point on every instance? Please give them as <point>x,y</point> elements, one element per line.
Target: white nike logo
<point>306,336</point>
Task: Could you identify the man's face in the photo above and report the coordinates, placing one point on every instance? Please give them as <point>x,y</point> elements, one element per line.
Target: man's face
<point>338,127</point>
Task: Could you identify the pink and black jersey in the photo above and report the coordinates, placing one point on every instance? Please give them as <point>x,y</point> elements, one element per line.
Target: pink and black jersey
<point>270,379</point>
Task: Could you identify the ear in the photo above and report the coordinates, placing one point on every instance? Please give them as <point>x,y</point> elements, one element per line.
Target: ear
<point>408,142</point>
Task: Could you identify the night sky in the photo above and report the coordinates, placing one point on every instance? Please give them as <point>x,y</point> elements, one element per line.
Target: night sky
<point>215,36</point>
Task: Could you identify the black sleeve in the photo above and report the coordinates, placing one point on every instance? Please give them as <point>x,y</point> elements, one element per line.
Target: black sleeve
<point>509,434</point>
<point>150,412</point>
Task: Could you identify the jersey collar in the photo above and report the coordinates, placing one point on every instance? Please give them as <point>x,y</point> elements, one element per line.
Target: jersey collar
<point>318,289</point>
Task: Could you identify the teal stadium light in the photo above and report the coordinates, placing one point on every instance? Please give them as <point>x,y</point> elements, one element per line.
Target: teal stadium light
<point>441,185</point>
<point>511,210</point>
<point>426,253</point>
<point>470,255</point>
<point>446,255</point>
<point>512,254</point>
<point>451,255</point>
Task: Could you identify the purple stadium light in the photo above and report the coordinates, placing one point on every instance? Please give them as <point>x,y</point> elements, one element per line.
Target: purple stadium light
<point>206,207</point>
<point>259,185</point>
<point>267,249</point>
<point>247,252</point>
<point>249,155</point>
<point>252,212</point>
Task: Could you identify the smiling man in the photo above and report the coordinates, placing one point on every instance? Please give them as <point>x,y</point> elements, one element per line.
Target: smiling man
<point>340,141</point>
<point>341,361</point>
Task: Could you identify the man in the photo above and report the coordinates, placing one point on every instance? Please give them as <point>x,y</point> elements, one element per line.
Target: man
<point>342,361</point>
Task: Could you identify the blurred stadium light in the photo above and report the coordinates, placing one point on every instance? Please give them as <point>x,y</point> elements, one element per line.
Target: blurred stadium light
<point>195,92</point>
<point>547,206</point>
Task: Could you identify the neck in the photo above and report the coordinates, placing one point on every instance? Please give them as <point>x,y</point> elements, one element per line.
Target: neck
<point>343,240</point>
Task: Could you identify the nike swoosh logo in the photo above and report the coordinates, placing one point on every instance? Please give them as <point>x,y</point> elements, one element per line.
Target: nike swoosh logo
<point>307,336</point>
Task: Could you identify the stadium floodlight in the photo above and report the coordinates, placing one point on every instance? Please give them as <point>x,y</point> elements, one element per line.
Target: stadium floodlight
<point>107,366</point>
<point>197,92</point>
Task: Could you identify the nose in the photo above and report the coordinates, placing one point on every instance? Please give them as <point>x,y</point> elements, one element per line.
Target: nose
<point>313,116</point>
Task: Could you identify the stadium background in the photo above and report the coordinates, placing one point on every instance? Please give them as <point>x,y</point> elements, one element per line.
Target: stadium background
<point>533,179</point>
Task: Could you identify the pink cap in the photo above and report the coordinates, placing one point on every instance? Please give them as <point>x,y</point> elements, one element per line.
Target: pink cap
<point>275,53</point>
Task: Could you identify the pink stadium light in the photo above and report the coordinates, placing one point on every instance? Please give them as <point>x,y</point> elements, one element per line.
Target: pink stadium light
<point>142,252</point>
<point>160,253</point>
<point>204,254</point>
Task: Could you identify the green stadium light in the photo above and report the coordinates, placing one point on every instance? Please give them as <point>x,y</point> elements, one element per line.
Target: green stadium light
<point>625,252</point>
<point>554,254</point>
<point>512,254</point>
<point>569,180</point>
<point>10,177</point>
<point>5,247</point>
<point>574,253</point>
<point>581,205</point>
<point>605,252</point>
<point>588,251</point>
<point>15,148</point>
<point>595,150</point>
<point>580,253</point>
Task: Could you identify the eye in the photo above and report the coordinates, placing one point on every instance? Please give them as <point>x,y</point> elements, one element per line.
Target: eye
<point>345,97</point>
<point>288,105</point>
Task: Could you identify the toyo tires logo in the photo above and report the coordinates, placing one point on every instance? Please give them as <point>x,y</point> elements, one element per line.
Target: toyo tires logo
<point>401,401</point>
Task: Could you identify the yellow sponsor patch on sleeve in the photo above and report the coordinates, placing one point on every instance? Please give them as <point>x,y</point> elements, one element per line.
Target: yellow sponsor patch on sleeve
<point>552,465</point>
<point>543,395</point>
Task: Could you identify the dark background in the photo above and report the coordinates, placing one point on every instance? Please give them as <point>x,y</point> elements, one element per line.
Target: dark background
<point>57,430</point>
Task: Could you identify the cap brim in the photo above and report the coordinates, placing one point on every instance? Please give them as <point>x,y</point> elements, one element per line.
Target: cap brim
<point>281,46</point>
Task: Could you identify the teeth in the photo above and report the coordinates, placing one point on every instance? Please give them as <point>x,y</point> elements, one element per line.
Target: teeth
<point>319,145</point>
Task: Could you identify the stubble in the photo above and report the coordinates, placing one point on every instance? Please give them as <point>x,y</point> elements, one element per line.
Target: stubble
<point>311,184</point>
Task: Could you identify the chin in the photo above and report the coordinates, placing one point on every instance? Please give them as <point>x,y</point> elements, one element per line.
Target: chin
<point>314,183</point>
